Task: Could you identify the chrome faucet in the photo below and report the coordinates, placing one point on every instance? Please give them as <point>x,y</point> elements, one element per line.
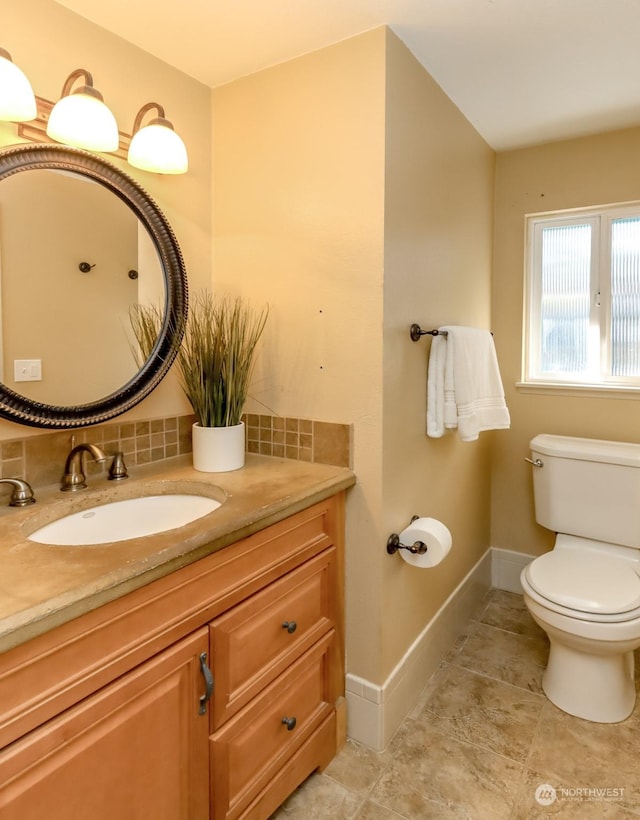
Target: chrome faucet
<point>74,477</point>
<point>22,494</point>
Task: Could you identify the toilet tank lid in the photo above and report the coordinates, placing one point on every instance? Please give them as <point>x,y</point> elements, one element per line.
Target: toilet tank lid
<point>587,449</point>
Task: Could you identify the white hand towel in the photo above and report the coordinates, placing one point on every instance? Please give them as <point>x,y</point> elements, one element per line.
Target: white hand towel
<point>450,402</point>
<point>435,387</point>
<point>473,384</point>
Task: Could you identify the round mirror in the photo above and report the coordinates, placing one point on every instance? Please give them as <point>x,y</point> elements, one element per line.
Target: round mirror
<point>81,246</point>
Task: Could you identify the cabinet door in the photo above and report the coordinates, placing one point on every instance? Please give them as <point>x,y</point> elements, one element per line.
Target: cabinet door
<point>137,749</point>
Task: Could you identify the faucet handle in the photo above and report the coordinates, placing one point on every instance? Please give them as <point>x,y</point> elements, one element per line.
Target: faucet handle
<point>118,469</point>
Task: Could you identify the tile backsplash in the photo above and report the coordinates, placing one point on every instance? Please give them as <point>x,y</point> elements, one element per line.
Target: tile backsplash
<point>40,459</point>
<point>299,439</point>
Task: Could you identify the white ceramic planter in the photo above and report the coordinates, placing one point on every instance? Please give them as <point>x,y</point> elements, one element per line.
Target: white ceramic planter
<point>218,449</point>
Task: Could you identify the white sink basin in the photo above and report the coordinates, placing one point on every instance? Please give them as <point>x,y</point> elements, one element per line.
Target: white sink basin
<point>122,520</point>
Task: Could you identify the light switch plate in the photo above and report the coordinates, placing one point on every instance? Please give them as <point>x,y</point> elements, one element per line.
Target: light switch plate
<point>27,370</point>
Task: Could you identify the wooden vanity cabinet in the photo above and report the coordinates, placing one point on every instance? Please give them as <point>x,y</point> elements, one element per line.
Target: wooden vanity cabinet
<point>103,717</point>
<point>135,749</point>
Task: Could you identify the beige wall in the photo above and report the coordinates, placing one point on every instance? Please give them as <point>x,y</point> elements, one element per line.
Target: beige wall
<point>438,254</point>
<point>568,174</point>
<point>298,223</point>
<point>351,194</point>
<point>60,41</point>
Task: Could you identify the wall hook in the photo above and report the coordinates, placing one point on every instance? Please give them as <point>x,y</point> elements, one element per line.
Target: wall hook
<point>85,267</point>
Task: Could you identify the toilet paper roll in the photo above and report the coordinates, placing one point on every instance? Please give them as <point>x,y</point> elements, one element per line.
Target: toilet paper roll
<point>431,532</point>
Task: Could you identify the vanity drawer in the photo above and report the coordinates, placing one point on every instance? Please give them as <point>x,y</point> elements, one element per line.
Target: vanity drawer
<point>255,641</point>
<point>256,744</point>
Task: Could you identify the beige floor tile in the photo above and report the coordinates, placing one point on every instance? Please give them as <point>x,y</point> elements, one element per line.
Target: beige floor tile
<point>398,739</point>
<point>393,794</point>
<point>435,775</point>
<point>458,643</point>
<point>485,712</point>
<point>372,811</point>
<point>516,659</point>
<point>319,798</point>
<point>588,755</point>
<point>508,611</point>
<point>536,801</point>
<point>429,690</point>
<point>357,767</point>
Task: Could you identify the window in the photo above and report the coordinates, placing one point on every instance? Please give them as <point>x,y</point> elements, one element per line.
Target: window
<point>582,318</point>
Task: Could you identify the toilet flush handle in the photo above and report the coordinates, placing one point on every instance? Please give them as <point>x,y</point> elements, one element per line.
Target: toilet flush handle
<point>536,463</point>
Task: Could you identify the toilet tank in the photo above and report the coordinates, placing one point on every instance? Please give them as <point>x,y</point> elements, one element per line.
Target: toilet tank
<point>588,488</point>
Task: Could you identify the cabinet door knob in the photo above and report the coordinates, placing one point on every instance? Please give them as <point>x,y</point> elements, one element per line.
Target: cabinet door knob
<point>290,626</point>
<point>290,723</point>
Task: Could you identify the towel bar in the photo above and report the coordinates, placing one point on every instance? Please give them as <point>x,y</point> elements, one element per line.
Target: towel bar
<point>415,331</point>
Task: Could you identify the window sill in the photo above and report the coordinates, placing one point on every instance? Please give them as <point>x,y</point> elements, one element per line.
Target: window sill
<point>594,391</point>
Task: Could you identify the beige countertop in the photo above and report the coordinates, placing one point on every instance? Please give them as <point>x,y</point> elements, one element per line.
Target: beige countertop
<point>43,586</point>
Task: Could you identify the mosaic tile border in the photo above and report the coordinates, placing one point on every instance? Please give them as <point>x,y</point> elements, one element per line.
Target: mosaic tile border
<point>299,439</point>
<point>40,459</point>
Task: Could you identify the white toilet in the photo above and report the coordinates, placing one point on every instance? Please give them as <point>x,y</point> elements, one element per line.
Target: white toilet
<point>585,593</point>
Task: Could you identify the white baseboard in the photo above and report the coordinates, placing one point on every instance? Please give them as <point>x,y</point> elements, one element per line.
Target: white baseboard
<point>506,566</point>
<point>375,712</point>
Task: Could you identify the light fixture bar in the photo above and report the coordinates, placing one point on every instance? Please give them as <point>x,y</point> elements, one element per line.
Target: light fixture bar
<point>154,147</point>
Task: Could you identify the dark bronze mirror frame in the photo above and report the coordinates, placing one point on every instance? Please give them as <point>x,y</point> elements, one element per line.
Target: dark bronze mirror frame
<point>21,410</point>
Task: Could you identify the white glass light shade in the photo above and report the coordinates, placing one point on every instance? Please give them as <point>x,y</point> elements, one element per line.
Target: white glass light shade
<point>158,148</point>
<point>17,101</point>
<point>81,118</point>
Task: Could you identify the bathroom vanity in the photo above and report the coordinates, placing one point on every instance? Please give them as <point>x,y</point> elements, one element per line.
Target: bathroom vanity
<point>197,673</point>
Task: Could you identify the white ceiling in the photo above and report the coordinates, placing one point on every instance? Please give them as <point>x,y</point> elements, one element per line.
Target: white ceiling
<point>522,71</point>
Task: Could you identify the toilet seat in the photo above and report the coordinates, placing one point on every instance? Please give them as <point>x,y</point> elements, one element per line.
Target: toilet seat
<point>585,585</point>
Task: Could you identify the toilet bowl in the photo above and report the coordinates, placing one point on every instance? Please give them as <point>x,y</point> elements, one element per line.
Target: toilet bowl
<point>588,603</point>
<point>585,593</point>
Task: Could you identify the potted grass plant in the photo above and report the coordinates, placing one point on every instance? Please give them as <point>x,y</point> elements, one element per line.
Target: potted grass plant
<point>215,362</point>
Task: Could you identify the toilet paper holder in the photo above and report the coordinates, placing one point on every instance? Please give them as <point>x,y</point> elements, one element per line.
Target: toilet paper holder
<point>393,543</point>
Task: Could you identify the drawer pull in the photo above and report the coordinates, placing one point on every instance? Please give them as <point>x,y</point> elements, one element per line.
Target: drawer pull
<point>208,680</point>
<point>290,723</point>
<point>290,626</point>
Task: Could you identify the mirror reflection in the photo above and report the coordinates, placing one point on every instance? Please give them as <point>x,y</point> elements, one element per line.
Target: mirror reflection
<point>74,258</point>
<point>63,260</point>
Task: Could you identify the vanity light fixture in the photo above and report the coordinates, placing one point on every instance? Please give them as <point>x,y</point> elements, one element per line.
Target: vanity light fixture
<point>17,100</point>
<point>156,147</point>
<point>80,117</point>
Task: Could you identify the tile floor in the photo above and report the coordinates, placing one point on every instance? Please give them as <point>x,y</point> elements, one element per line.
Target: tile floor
<point>480,742</point>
